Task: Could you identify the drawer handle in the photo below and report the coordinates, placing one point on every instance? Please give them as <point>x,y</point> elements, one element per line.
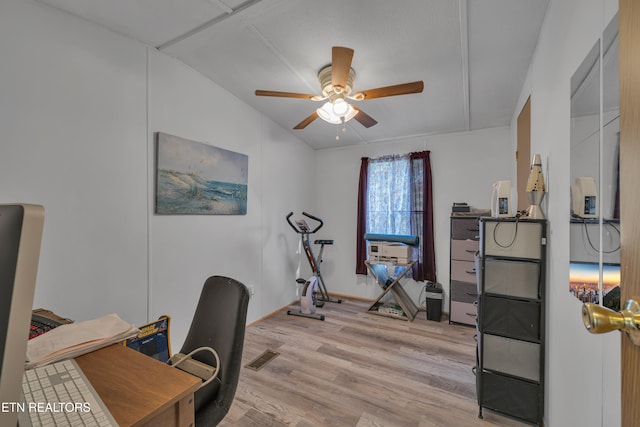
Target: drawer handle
<point>472,315</point>
<point>471,251</point>
<point>472,294</point>
<point>471,271</point>
<point>473,229</point>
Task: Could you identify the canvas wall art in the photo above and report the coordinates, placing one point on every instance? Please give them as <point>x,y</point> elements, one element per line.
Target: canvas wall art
<point>193,178</point>
<point>584,283</point>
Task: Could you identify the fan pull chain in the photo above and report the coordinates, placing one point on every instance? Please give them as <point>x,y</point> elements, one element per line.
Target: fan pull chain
<point>344,128</point>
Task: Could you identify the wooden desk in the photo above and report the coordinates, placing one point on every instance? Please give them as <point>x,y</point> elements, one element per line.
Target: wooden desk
<point>139,390</point>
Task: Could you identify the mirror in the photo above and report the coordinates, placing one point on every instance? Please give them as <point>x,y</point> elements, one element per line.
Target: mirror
<point>594,205</point>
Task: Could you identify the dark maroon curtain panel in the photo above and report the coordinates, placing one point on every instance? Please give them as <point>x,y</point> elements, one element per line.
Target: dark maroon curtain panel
<point>361,245</point>
<point>422,218</point>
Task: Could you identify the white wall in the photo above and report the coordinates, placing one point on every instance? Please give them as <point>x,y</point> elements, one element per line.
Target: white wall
<point>72,114</point>
<point>464,165</point>
<point>582,370</point>
<point>257,248</point>
<point>78,111</point>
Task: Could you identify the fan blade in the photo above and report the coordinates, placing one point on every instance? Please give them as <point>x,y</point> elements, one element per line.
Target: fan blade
<point>340,67</point>
<point>303,124</point>
<point>364,119</point>
<point>284,94</point>
<point>381,92</point>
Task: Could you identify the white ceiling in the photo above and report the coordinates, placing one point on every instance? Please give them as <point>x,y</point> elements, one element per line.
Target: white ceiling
<point>473,56</point>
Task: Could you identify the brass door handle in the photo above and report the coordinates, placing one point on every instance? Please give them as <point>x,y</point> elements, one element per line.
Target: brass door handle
<point>598,319</point>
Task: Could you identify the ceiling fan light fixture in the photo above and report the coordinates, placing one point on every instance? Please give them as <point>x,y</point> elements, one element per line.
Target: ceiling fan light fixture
<point>340,107</point>
<point>326,113</point>
<point>330,114</point>
<point>351,113</point>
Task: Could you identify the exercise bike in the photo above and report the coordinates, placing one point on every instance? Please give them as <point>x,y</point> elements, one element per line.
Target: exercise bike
<point>314,289</point>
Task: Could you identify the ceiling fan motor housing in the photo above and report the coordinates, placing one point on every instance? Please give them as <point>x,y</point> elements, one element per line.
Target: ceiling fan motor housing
<point>328,90</point>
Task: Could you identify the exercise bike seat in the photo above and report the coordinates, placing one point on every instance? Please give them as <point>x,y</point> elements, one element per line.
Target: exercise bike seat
<point>323,242</point>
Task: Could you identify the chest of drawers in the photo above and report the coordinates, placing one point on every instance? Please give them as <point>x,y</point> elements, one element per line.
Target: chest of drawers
<point>463,295</point>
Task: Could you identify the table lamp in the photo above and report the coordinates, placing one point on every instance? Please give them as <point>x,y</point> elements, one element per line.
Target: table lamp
<point>535,189</point>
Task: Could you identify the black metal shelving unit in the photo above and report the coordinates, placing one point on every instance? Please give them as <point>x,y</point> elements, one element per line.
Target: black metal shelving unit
<point>511,317</point>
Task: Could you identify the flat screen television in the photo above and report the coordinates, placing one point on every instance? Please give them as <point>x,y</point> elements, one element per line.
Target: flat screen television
<point>584,283</point>
<point>20,236</point>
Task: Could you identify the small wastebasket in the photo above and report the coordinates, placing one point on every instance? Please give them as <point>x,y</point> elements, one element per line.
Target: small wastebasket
<point>434,301</point>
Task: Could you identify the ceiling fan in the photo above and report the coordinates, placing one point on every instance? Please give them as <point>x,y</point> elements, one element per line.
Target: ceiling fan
<point>336,81</point>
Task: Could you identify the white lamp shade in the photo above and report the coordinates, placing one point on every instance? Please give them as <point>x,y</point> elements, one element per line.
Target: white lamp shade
<point>340,107</point>
<point>337,112</point>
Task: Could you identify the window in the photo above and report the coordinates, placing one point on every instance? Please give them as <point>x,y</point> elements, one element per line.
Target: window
<point>389,196</point>
<point>395,198</point>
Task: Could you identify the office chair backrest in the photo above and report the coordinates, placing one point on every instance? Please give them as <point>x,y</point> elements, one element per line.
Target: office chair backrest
<point>219,322</point>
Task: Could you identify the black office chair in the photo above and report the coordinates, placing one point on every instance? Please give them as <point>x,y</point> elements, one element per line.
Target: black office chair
<point>219,323</point>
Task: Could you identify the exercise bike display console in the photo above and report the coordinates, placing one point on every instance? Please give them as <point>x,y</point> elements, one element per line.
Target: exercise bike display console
<point>301,227</point>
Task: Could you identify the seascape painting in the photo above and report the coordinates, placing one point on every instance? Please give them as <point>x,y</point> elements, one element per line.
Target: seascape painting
<point>193,178</point>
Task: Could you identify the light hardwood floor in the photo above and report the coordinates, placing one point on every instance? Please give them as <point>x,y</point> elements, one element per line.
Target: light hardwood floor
<point>359,369</point>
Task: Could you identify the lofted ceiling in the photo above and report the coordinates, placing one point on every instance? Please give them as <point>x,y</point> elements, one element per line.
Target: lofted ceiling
<point>473,56</point>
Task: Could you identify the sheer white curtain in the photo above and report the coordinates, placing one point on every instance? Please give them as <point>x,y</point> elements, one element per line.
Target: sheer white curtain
<point>389,195</point>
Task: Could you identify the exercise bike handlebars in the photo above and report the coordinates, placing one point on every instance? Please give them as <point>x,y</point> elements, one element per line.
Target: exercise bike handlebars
<point>299,230</point>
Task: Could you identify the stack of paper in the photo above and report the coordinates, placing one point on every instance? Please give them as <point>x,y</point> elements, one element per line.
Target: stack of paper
<point>74,339</point>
